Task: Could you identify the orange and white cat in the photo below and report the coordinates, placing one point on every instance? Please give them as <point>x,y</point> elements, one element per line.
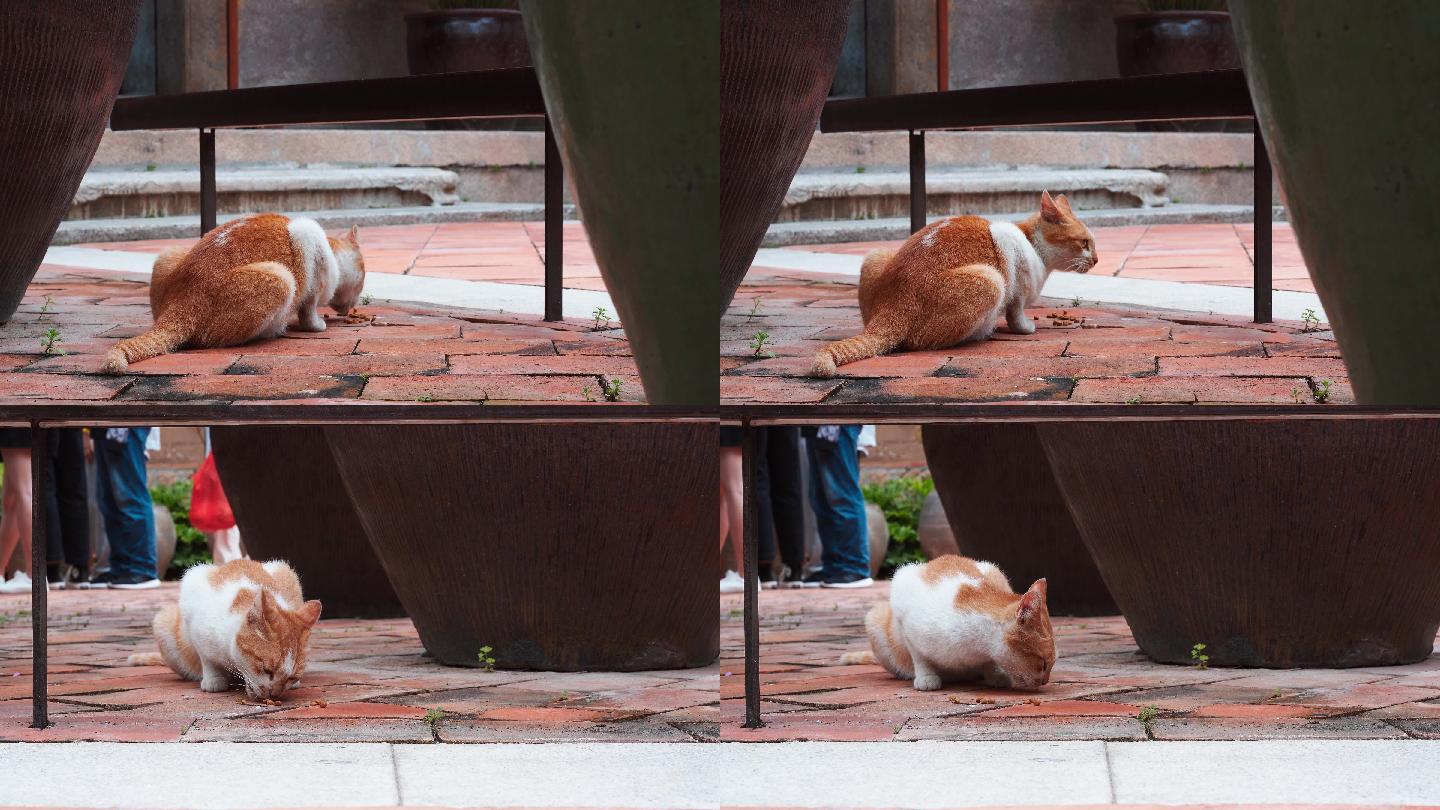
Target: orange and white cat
<point>956,619</point>
<point>953,279</point>
<point>245,280</point>
<point>242,621</point>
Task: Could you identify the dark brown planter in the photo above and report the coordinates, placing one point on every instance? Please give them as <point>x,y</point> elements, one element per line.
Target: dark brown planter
<point>1275,544</point>
<point>1003,506</point>
<point>61,62</point>
<point>936,537</point>
<point>563,547</point>
<point>1177,42</point>
<point>290,504</point>
<point>777,60</point>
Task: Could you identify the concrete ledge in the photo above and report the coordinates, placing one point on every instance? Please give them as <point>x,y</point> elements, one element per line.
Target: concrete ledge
<point>784,234</point>
<point>178,227</point>
<point>1115,150</point>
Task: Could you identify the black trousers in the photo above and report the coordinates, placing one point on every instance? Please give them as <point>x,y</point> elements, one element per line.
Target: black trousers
<point>67,524</point>
<point>780,500</point>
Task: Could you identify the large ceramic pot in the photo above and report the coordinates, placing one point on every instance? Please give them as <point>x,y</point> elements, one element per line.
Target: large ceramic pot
<point>563,547</point>
<point>1003,506</point>
<point>630,90</point>
<point>61,62</point>
<point>936,537</point>
<point>1275,544</point>
<point>1360,186</point>
<point>1177,42</point>
<point>777,61</point>
<point>290,504</point>
<point>452,40</point>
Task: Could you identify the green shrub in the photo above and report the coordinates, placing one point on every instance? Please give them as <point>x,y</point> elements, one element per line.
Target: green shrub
<point>900,499</point>
<point>190,546</point>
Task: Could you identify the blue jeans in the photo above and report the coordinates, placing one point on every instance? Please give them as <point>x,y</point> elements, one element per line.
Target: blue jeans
<point>125,506</point>
<point>838,504</point>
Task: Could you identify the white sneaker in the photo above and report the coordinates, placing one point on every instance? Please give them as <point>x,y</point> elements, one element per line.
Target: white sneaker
<point>20,583</point>
<point>732,583</point>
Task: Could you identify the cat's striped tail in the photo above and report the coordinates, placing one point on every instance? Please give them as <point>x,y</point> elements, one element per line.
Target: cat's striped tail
<point>878,338</point>
<point>167,334</point>
<point>150,659</point>
<point>865,657</point>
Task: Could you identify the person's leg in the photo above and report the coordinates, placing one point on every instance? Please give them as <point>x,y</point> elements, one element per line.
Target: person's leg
<point>732,494</point>
<point>787,504</point>
<point>72,499</point>
<point>15,525</point>
<point>764,520</point>
<point>839,504</point>
<point>129,514</point>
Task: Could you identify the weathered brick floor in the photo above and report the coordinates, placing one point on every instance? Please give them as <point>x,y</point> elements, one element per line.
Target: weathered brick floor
<point>1078,354</point>
<point>368,681</point>
<point>394,352</point>
<point>1098,688</point>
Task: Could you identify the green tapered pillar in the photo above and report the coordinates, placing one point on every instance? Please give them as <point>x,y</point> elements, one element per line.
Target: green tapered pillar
<point>1345,94</point>
<point>632,89</point>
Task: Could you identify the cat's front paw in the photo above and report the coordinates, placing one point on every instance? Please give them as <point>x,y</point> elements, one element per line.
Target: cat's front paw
<point>1025,327</point>
<point>215,683</point>
<point>927,683</point>
<point>823,367</point>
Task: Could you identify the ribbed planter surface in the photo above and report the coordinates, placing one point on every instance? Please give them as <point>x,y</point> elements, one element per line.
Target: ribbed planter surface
<point>1276,544</point>
<point>563,547</point>
<point>1351,134</point>
<point>777,60</point>
<point>630,89</point>
<point>1003,506</point>
<point>61,63</point>
<point>290,504</point>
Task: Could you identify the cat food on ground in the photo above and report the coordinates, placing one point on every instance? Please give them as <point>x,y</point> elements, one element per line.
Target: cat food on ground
<point>953,279</point>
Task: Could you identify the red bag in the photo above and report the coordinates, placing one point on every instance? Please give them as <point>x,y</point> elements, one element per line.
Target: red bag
<point>209,509</point>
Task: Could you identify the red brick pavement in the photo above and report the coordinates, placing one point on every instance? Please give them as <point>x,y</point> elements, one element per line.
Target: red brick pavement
<point>368,681</point>
<point>1099,686</point>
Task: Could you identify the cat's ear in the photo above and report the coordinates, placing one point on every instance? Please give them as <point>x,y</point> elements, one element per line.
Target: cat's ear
<point>309,612</point>
<point>1063,204</point>
<point>1049,211</point>
<point>354,235</point>
<point>1032,604</point>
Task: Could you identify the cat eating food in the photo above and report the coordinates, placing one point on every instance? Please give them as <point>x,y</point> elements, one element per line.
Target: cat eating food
<point>957,619</point>
<point>245,280</point>
<point>953,279</point>
<point>242,621</point>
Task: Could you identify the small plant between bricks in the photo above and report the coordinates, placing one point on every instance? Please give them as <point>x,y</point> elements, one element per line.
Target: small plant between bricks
<point>754,309</point>
<point>487,661</point>
<point>1322,391</point>
<point>1199,658</point>
<point>45,307</point>
<point>759,342</point>
<point>1146,715</point>
<point>49,341</point>
<point>611,389</point>
<point>1297,395</point>
<point>1133,401</point>
<point>433,717</point>
<point>365,300</point>
<point>602,318</point>
<point>1310,320</point>
<point>588,392</point>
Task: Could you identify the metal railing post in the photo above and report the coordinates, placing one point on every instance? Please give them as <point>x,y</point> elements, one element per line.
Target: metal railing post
<point>554,228</point>
<point>917,180</point>
<point>751,551</point>
<point>207,181</point>
<point>1264,253</point>
<point>39,591</point>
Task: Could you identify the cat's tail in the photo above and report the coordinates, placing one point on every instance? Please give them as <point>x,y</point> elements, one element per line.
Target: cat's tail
<point>865,657</point>
<point>879,337</point>
<point>168,333</point>
<point>151,659</point>
<point>888,648</point>
<point>175,652</point>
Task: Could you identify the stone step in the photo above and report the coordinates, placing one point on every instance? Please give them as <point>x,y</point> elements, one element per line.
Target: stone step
<point>784,234</point>
<point>949,191</point>
<point>80,231</point>
<point>112,194</point>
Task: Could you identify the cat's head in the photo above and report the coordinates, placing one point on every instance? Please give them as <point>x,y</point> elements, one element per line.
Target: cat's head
<point>1029,650</point>
<point>272,644</point>
<point>352,271</point>
<point>1061,239</point>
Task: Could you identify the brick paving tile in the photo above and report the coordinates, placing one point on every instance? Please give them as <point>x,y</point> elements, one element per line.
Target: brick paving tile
<point>1099,686</point>
<point>367,681</point>
<point>91,310</point>
<point>1222,360</point>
